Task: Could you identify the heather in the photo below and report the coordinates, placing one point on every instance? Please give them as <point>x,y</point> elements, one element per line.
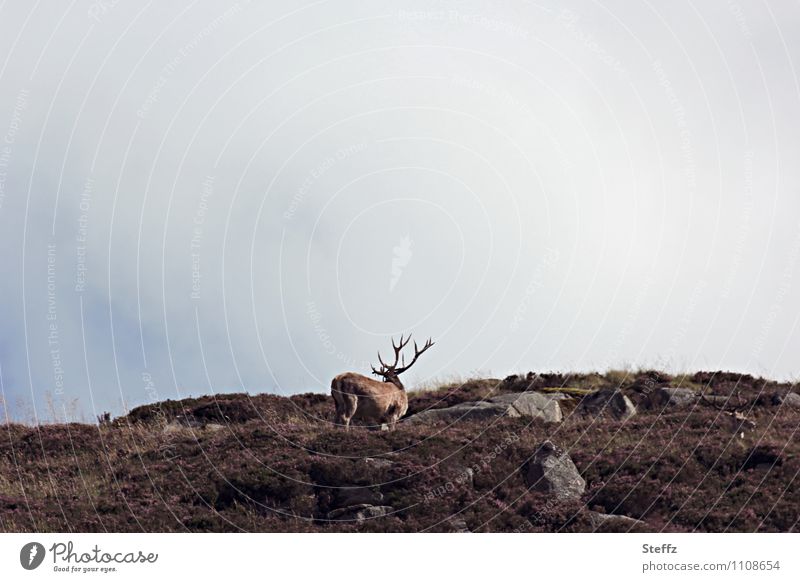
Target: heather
<point>238,462</point>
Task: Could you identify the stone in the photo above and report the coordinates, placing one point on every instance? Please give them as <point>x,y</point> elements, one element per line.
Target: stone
<point>377,462</point>
<point>351,496</point>
<point>607,402</point>
<point>530,404</point>
<point>791,399</point>
<point>552,471</point>
<point>666,396</point>
<point>533,404</point>
<point>465,411</point>
<point>559,396</point>
<point>359,513</point>
<point>458,525</point>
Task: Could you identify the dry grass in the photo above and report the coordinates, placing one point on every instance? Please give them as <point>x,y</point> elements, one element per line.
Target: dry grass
<point>276,464</point>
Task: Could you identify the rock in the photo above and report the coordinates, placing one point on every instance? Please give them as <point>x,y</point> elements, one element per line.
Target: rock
<point>359,513</point>
<point>552,471</point>
<point>351,496</point>
<point>465,411</point>
<point>465,475</point>
<point>672,397</point>
<point>607,402</point>
<point>376,462</point>
<point>533,404</point>
<point>458,525</point>
<point>610,522</point>
<point>559,396</point>
<point>791,399</point>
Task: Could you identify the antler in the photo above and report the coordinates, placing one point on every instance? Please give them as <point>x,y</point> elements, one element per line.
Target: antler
<point>417,353</point>
<point>397,357</point>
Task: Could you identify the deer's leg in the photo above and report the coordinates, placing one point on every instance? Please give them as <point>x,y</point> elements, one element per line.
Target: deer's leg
<point>349,405</point>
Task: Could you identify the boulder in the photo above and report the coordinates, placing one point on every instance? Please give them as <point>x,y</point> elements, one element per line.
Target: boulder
<point>607,402</point>
<point>552,471</point>
<point>667,396</point>
<point>465,411</point>
<point>458,525</point>
<point>559,396</point>
<point>791,399</point>
<point>378,462</point>
<point>533,404</point>
<point>359,513</point>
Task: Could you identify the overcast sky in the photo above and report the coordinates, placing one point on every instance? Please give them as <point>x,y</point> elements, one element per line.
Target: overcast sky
<point>201,198</point>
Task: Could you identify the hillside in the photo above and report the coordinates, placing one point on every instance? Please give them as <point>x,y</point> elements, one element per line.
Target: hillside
<point>267,463</point>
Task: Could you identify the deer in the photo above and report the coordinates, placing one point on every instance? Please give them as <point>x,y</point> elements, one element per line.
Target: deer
<point>377,401</point>
<point>735,418</point>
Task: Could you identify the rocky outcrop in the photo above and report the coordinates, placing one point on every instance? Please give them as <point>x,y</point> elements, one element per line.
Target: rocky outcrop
<point>552,471</point>
<point>609,402</point>
<point>530,404</point>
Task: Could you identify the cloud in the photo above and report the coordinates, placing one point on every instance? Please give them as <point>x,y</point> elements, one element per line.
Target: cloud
<point>221,194</point>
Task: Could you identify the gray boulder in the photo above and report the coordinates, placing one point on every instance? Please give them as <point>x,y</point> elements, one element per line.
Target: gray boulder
<point>609,402</point>
<point>552,471</point>
<point>559,396</point>
<point>789,399</point>
<point>378,462</point>
<point>533,404</point>
<point>465,411</point>
<point>666,396</point>
<point>359,513</point>
<point>458,525</point>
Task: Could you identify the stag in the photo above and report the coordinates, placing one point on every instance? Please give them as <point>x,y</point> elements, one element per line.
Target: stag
<point>734,418</point>
<point>377,402</point>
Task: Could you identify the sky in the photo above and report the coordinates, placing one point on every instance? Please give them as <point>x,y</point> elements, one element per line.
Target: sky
<point>203,197</point>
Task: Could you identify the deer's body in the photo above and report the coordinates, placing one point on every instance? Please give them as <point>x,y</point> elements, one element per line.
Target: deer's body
<point>372,401</point>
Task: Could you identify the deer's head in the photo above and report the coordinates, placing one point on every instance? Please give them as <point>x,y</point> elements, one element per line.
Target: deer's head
<point>391,372</point>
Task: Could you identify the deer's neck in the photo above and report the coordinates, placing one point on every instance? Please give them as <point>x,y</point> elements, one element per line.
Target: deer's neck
<point>396,382</point>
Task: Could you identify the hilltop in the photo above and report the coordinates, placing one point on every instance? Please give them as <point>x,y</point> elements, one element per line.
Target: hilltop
<point>238,462</point>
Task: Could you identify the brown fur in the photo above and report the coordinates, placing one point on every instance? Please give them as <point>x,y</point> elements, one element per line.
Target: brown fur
<point>361,398</point>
